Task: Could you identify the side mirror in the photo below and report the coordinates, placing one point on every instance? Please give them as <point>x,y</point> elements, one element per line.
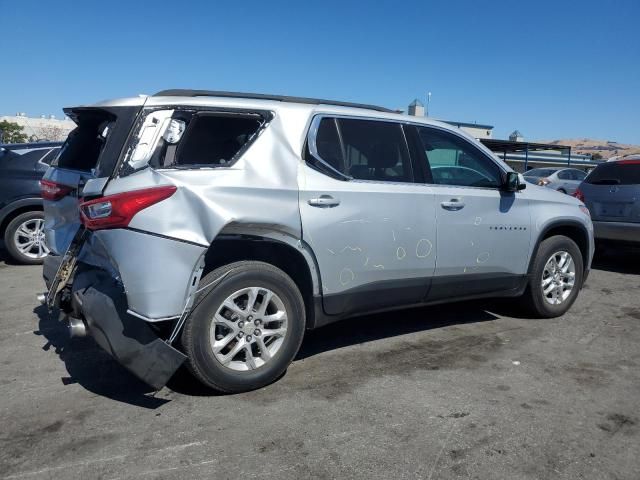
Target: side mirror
<point>512,183</point>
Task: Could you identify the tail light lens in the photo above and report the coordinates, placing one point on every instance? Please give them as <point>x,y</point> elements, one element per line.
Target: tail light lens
<point>52,190</point>
<point>116,211</point>
<point>543,181</point>
<point>579,195</point>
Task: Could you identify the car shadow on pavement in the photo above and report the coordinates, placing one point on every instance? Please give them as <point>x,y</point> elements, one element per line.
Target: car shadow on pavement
<point>378,326</point>
<point>617,259</point>
<point>363,329</point>
<point>89,366</point>
<point>93,369</point>
<point>5,259</point>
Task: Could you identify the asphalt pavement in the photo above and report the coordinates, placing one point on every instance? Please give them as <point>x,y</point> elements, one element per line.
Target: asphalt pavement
<point>470,390</point>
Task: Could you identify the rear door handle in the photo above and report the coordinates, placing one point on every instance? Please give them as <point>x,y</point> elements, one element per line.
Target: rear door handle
<point>324,201</point>
<point>453,205</point>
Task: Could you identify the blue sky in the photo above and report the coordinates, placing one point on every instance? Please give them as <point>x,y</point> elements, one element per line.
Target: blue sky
<point>552,69</point>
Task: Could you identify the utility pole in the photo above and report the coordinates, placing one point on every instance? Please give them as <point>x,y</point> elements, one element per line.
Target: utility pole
<point>428,102</point>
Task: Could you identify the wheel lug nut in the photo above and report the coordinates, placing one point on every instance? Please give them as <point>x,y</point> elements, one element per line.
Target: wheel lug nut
<point>250,317</point>
<point>257,322</point>
<point>248,338</point>
<point>240,324</point>
<point>256,332</point>
<point>241,334</point>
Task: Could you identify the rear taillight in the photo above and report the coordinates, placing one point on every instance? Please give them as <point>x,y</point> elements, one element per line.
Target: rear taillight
<point>116,211</point>
<point>579,195</point>
<point>629,162</point>
<point>52,190</point>
<point>543,181</point>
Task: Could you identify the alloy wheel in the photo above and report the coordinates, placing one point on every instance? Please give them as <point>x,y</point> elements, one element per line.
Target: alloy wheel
<point>29,239</point>
<point>248,329</point>
<point>558,277</point>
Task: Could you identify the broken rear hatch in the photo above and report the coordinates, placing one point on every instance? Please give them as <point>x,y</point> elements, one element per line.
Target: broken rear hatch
<point>86,161</point>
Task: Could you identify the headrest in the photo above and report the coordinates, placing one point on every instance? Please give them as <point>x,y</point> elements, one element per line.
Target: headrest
<point>383,155</point>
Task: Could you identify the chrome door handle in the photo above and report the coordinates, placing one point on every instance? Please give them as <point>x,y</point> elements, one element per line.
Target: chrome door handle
<point>324,201</point>
<point>454,204</point>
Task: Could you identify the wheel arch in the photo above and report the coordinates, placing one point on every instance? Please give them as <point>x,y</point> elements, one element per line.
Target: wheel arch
<point>291,255</point>
<point>11,211</point>
<point>571,229</point>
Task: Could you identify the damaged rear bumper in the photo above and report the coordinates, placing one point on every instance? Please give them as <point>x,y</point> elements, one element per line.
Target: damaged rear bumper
<point>101,301</point>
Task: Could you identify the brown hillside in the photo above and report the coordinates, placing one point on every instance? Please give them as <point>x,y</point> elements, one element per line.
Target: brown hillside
<point>606,148</point>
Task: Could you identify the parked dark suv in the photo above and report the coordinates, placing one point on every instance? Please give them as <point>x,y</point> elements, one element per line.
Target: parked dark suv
<point>611,192</point>
<point>21,219</point>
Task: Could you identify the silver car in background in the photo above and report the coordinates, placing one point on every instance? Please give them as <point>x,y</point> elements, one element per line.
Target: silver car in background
<point>215,228</point>
<point>612,194</point>
<point>564,180</point>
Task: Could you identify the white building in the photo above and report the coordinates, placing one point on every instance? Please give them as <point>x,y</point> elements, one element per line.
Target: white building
<point>477,130</point>
<point>43,127</point>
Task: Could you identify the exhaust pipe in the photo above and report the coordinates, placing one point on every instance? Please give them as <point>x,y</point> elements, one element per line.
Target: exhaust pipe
<point>42,298</point>
<point>77,327</point>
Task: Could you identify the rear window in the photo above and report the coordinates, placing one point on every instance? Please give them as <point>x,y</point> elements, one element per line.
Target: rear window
<point>616,173</point>
<point>82,149</point>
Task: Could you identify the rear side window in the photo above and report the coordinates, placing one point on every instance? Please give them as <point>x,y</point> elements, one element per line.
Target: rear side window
<point>21,159</point>
<point>215,139</point>
<point>540,172</point>
<point>364,149</point>
<point>565,175</point>
<point>623,172</point>
<point>210,139</point>
<point>578,175</point>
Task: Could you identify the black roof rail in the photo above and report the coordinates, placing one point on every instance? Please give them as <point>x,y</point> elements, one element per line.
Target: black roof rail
<point>263,96</point>
<point>30,145</point>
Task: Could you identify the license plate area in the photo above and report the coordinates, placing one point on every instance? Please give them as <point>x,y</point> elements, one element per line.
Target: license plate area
<point>613,209</point>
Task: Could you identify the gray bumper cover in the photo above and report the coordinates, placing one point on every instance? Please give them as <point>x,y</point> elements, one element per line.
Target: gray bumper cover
<point>102,302</point>
<point>621,231</point>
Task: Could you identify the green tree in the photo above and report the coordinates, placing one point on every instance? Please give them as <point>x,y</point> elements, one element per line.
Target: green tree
<point>596,156</point>
<point>12,132</point>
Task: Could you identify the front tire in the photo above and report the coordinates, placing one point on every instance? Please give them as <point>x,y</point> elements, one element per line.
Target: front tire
<point>245,329</point>
<point>556,278</point>
<point>24,238</point>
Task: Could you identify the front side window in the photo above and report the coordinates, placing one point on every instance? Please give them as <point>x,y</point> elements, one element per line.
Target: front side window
<point>454,161</point>
<point>364,149</point>
<point>565,175</point>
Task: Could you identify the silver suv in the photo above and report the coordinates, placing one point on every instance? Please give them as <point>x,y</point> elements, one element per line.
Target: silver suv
<point>216,228</point>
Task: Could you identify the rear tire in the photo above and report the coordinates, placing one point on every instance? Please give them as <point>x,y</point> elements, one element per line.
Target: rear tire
<point>558,264</point>
<point>246,329</point>
<point>24,238</point>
